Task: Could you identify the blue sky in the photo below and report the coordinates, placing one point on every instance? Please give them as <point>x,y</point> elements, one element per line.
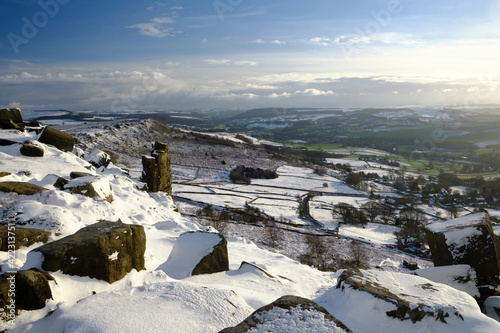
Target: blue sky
<point>179,54</point>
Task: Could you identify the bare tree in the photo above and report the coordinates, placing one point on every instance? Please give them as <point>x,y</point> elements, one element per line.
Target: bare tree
<point>358,254</point>
<point>273,236</point>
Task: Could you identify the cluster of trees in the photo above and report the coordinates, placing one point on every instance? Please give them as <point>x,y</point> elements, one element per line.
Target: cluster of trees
<point>243,175</point>
<point>411,220</point>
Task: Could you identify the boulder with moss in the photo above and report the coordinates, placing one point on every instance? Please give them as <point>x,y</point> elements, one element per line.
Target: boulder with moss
<point>91,186</point>
<point>23,237</point>
<point>290,314</point>
<point>21,188</point>
<point>59,139</point>
<point>32,149</point>
<point>31,288</point>
<point>11,119</point>
<point>104,250</point>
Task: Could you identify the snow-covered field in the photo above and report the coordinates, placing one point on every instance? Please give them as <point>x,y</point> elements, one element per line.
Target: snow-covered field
<point>153,300</point>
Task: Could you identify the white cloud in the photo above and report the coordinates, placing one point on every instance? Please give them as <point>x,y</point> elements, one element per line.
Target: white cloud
<point>275,95</point>
<point>352,39</point>
<point>259,41</point>
<point>278,42</point>
<point>245,63</point>
<point>322,41</point>
<point>217,61</point>
<point>229,62</point>
<point>314,92</point>
<point>156,27</point>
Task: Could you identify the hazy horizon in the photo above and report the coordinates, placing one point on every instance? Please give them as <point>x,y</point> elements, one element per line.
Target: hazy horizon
<point>177,55</point>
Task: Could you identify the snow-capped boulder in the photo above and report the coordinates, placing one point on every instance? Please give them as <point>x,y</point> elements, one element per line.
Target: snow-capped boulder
<point>98,158</point>
<point>11,114</point>
<point>290,314</point>
<point>29,289</point>
<point>24,237</point>
<point>11,119</point>
<point>104,250</point>
<point>379,301</point>
<point>492,307</point>
<point>466,240</point>
<point>59,139</point>
<point>21,188</point>
<point>423,300</point>
<point>196,253</point>
<point>32,149</point>
<point>460,277</point>
<point>91,186</point>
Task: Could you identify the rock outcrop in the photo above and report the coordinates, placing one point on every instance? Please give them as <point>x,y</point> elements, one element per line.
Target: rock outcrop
<point>104,250</point>
<point>61,140</point>
<point>157,173</point>
<point>413,298</point>
<point>90,186</point>
<point>23,237</point>
<point>32,149</point>
<point>197,253</point>
<point>21,188</point>
<point>98,158</point>
<point>11,119</point>
<point>467,240</point>
<point>29,290</point>
<point>293,311</point>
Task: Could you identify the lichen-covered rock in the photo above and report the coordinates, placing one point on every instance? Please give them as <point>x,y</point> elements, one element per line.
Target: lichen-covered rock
<point>32,149</point>
<point>11,114</point>
<point>29,289</point>
<point>412,297</point>
<point>23,237</point>
<point>11,119</point>
<point>197,253</point>
<point>104,250</point>
<point>21,188</point>
<point>466,240</point>
<point>157,173</point>
<point>5,174</point>
<point>92,187</point>
<point>61,140</point>
<point>291,314</point>
<point>79,174</point>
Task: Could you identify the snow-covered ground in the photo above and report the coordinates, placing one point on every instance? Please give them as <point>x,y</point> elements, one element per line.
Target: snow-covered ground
<point>154,301</point>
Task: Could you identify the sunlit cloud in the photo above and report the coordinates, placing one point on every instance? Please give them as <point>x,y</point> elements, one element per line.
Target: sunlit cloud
<point>157,27</point>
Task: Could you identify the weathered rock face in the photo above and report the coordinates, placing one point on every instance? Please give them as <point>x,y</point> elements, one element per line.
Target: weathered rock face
<point>466,240</point>
<point>412,297</point>
<point>215,261</point>
<point>157,173</point>
<point>31,288</point>
<point>11,119</point>
<point>197,253</point>
<point>24,237</point>
<point>104,250</point>
<point>92,187</point>
<point>289,309</point>
<point>61,140</point>
<point>21,188</point>
<point>32,149</point>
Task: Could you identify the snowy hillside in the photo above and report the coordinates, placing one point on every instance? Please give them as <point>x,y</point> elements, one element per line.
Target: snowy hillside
<point>163,298</point>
